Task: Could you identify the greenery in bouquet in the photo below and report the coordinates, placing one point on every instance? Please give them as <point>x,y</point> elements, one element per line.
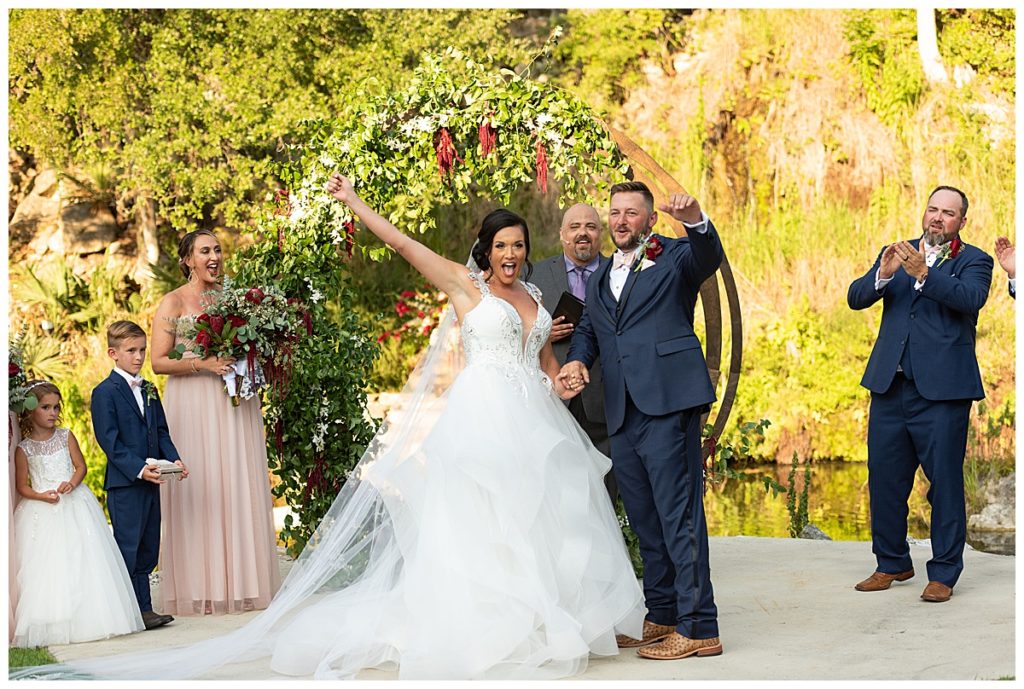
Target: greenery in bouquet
<point>258,324</point>
<point>18,399</point>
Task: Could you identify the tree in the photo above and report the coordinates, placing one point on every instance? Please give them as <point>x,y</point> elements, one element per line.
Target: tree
<point>928,46</point>
<point>190,108</point>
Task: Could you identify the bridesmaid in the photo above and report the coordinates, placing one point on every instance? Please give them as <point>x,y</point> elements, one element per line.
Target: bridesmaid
<point>218,552</point>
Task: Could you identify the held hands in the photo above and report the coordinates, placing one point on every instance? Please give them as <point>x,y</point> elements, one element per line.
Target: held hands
<point>559,330</point>
<point>1007,256</point>
<point>50,496</point>
<point>184,470</point>
<point>683,208</point>
<point>65,487</point>
<point>341,188</point>
<point>572,379</point>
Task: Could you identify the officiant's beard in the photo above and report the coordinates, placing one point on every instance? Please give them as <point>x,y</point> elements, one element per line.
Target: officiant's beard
<point>583,253</point>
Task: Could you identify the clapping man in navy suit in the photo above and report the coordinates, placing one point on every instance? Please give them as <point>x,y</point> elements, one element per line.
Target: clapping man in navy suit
<point>130,427</point>
<point>1008,261</point>
<point>639,324</point>
<point>923,376</point>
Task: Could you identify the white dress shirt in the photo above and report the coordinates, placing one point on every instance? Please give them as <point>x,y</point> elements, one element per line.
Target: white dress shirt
<point>136,390</point>
<point>617,276</point>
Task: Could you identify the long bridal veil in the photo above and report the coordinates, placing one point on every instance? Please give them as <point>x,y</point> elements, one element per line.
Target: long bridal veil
<point>354,553</point>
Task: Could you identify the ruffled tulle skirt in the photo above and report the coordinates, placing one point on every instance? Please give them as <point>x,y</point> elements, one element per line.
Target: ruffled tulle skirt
<point>504,557</point>
<point>72,579</point>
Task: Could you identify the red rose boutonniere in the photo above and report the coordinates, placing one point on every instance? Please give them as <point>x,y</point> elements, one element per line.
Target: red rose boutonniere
<point>949,250</point>
<point>648,251</point>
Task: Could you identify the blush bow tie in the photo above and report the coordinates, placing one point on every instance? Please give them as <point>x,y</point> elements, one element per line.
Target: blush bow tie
<point>136,382</point>
<point>620,259</point>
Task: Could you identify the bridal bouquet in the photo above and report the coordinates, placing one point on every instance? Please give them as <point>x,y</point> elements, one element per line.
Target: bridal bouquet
<point>257,327</point>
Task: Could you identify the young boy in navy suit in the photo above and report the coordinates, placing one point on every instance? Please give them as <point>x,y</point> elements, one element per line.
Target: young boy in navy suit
<point>130,426</point>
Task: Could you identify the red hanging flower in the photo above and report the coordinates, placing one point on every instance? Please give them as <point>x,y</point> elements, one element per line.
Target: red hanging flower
<point>445,150</point>
<point>542,167</point>
<point>279,437</point>
<point>350,237</point>
<point>488,139</point>
<point>955,246</point>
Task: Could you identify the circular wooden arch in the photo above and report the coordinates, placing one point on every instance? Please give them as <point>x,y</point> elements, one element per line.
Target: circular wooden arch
<point>645,169</point>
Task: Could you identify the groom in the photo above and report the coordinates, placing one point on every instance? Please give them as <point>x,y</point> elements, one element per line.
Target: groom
<point>639,324</point>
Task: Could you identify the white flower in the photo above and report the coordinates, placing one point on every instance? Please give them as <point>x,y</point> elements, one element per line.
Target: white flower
<point>336,237</point>
<point>423,124</point>
<point>316,296</point>
<point>327,161</point>
<point>543,120</point>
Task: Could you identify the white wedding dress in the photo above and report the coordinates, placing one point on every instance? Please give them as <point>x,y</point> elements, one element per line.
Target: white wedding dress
<point>474,540</point>
<point>73,582</point>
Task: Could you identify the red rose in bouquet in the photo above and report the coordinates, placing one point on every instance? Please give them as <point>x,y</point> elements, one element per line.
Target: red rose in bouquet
<point>12,370</point>
<point>257,327</point>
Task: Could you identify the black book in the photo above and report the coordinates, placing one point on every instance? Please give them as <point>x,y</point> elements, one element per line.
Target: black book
<point>569,306</point>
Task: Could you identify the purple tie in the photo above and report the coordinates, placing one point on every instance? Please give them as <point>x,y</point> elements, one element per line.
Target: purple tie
<point>579,288</point>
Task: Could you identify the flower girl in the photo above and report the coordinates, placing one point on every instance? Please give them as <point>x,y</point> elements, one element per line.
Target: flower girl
<point>74,585</point>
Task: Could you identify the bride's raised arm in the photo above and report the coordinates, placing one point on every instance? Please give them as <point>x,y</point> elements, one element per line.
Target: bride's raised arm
<point>447,276</point>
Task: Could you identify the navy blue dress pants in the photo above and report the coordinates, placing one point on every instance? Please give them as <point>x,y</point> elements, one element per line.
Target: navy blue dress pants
<point>904,431</point>
<point>659,471</point>
<point>135,518</point>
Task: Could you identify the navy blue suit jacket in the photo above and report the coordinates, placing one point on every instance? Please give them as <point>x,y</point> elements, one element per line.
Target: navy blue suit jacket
<point>646,340</point>
<point>938,324</point>
<point>125,436</point>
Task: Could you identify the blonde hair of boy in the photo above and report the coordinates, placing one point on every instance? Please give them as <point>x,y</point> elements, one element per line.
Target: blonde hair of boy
<point>120,331</point>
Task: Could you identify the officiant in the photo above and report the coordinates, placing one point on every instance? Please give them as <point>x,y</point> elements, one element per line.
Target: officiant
<point>562,280</point>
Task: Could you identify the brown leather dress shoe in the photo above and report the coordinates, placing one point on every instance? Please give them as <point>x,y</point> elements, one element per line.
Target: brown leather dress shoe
<point>152,620</point>
<point>880,581</point>
<point>676,646</point>
<point>653,633</point>
<point>936,592</point>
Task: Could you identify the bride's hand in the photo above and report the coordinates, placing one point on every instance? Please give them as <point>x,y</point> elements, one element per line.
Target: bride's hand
<point>341,188</point>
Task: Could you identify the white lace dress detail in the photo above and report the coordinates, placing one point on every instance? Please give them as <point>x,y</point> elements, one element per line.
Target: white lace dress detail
<point>492,335</point>
<point>49,462</point>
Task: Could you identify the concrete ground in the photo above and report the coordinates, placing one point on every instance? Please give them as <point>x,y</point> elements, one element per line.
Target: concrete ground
<point>787,610</point>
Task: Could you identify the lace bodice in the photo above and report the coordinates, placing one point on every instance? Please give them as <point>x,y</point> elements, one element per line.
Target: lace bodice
<point>49,462</point>
<point>492,332</point>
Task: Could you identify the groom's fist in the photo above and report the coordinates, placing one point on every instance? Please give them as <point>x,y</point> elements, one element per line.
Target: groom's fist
<point>683,208</point>
<point>340,188</point>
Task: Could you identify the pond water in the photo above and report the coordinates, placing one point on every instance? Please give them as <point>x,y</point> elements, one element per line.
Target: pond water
<point>837,504</point>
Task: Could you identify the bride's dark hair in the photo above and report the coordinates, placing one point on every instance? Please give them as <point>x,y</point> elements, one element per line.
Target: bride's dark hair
<point>494,222</point>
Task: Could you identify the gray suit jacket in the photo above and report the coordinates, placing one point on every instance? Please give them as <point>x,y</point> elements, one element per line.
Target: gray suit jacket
<point>550,277</point>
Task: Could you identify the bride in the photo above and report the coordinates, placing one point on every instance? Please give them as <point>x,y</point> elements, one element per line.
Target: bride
<point>475,539</point>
